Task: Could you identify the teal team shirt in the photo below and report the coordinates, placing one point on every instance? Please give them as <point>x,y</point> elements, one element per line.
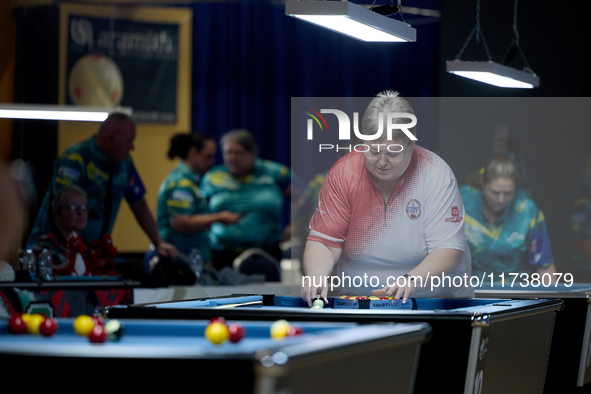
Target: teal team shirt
<point>179,194</point>
<point>516,243</point>
<point>580,223</point>
<point>257,197</point>
<point>86,166</point>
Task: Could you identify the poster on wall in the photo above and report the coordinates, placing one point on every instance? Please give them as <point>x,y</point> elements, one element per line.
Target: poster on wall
<point>118,62</point>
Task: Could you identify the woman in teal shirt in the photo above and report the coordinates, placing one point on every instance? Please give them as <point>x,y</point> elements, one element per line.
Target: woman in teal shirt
<point>505,230</point>
<point>183,214</point>
<point>252,187</point>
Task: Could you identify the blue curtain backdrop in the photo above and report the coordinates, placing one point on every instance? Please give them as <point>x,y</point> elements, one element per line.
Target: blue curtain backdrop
<point>249,59</point>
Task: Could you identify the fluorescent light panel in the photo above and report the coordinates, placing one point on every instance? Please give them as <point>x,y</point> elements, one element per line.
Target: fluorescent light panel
<point>352,20</point>
<point>494,74</point>
<point>58,112</point>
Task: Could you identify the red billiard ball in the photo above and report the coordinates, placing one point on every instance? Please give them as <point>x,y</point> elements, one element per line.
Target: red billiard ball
<point>98,334</point>
<point>98,320</point>
<point>294,330</point>
<point>17,325</point>
<point>237,332</point>
<point>48,327</point>
<point>217,320</point>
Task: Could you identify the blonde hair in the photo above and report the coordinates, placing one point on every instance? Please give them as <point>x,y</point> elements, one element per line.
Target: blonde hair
<point>64,194</point>
<point>386,102</point>
<point>501,167</point>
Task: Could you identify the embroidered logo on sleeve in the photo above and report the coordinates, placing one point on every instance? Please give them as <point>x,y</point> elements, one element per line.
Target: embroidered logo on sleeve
<point>455,216</point>
<point>180,195</point>
<point>319,207</point>
<point>413,209</point>
<point>68,173</point>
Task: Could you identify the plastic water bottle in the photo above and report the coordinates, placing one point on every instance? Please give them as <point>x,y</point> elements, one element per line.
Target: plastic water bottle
<point>45,265</point>
<point>29,262</point>
<point>196,263</point>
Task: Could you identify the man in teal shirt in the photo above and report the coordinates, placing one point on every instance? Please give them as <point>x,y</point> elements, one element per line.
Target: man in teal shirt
<point>183,214</point>
<point>102,167</point>
<point>251,187</point>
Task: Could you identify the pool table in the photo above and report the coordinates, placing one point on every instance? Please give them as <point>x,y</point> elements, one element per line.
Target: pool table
<point>477,345</point>
<point>569,365</point>
<point>327,357</point>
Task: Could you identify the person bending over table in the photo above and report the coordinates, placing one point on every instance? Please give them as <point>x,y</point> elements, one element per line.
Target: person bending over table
<point>102,167</point>
<point>505,229</point>
<point>253,188</point>
<point>183,214</point>
<point>388,214</point>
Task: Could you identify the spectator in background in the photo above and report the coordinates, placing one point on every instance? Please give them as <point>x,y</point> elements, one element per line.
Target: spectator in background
<point>12,220</point>
<point>580,226</point>
<point>183,214</point>
<point>70,215</point>
<point>102,167</point>
<point>505,229</point>
<point>253,188</point>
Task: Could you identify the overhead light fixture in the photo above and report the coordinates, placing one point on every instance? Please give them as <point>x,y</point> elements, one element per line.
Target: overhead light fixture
<point>490,72</point>
<point>352,20</point>
<point>59,112</point>
<point>494,74</point>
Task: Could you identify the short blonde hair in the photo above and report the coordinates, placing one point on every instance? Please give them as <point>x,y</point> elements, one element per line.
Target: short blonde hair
<point>62,196</point>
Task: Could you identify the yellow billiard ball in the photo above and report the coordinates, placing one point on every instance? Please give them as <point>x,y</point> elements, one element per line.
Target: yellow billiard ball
<point>279,329</point>
<point>83,325</point>
<point>217,333</point>
<point>33,323</point>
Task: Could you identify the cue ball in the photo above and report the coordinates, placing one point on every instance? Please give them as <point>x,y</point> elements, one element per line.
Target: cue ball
<point>279,329</point>
<point>114,329</point>
<point>217,333</point>
<point>318,303</point>
<point>83,325</point>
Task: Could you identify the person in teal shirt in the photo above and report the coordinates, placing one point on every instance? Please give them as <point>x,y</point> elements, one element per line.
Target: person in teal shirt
<point>183,214</point>
<point>255,189</point>
<point>102,167</point>
<point>505,229</point>
<point>580,226</point>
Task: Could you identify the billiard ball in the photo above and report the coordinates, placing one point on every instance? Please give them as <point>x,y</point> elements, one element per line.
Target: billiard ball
<point>83,325</point>
<point>48,327</point>
<point>98,320</point>
<point>114,329</point>
<point>279,329</point>
<point>318,303</point>
<point>217,333</point>
<point>236,331</point>
<point>218,319</point>
<point>33,323</point>
<point>97,334</point>
<point>17,325</point>
<point>295,330</point>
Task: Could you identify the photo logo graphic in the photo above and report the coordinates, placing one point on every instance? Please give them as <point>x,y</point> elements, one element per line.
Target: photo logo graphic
<point>344,132</point>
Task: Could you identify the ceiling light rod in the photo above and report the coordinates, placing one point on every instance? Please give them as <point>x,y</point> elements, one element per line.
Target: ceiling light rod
<point>59,112</point>
<point>352,20</point>
<point>490,72</point>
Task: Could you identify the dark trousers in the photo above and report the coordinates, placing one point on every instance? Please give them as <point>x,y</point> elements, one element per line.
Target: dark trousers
<point>225,258</point>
